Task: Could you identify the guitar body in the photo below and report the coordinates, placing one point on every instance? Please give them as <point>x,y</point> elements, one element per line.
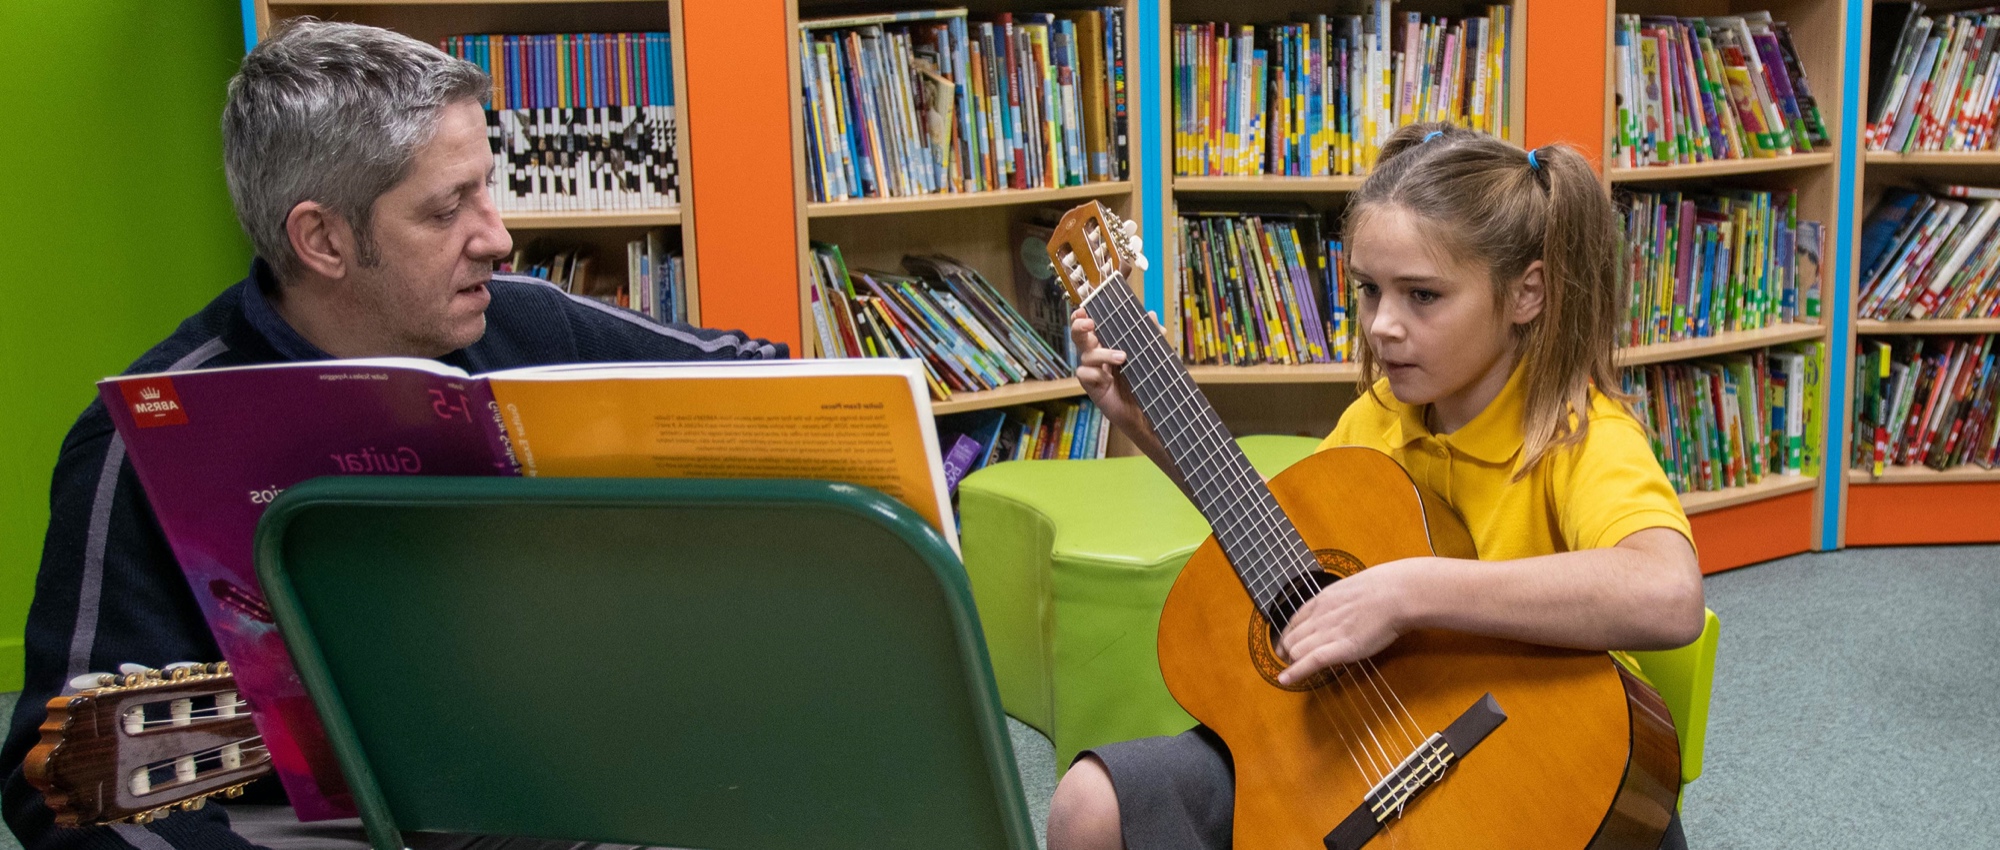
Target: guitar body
<point>1586,757</point>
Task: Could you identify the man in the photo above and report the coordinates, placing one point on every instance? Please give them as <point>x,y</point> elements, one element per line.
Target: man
<point>358,163</point>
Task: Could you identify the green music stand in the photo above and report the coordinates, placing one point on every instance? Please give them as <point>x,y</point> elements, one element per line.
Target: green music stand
<point>686,663</point>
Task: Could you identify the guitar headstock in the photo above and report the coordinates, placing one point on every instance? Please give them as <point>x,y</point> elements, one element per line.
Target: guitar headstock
<point>137,746</point>
<point>1092,246</point>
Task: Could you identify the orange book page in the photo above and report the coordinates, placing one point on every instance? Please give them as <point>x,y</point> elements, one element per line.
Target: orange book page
<point>769,421</point>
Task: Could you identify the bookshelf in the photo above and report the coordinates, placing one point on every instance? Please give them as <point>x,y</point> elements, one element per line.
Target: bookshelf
<point>979,229</point>
<point>1780,514</point>
<point>1908,504</point>
<point>604,233</point>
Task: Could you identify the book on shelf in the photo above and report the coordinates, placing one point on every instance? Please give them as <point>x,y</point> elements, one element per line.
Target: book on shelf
<point>1697,264</point>
<point>1065,429</point>
<point>213,448</point>
<point>1038,295</point>
<point>1925,402</point>
<point>1262,287</point>
<point>655,282</point>
<point>1319,97</point>
<point>1732,421</point>
<point>941,101</point>
<point>1937,89</point>
<point>1691,90</point>
<point>1931,255</point>
<point>938,312</point>
<point>579,121</point>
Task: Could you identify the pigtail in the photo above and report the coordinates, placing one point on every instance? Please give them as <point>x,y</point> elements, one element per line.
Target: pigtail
<point>1572,348</point>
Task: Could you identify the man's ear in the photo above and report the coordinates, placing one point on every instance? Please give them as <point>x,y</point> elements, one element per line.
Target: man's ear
<point>323,241</point>
<point>1528,297</point>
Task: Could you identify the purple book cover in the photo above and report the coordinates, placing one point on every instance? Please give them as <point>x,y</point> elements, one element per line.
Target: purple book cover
<point>213,448</point>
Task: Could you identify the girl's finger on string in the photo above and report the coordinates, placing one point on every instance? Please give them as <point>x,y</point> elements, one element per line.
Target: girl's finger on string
<point>1101,357</point>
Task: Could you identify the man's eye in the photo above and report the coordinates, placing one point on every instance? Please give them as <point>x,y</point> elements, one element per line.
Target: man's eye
<point>447,215</point>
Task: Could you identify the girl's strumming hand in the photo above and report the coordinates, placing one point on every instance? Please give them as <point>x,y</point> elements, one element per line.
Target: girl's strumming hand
<point>1349,620</point>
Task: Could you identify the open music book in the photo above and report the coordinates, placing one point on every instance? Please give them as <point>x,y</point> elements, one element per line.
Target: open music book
<point>212,448</point>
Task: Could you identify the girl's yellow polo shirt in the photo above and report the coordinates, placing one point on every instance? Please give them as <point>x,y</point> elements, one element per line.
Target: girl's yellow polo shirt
<point>1583,497</point>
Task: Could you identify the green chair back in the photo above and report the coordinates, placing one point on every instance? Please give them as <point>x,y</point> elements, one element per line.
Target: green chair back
<point>1684,677</point>
<point>691,663</point>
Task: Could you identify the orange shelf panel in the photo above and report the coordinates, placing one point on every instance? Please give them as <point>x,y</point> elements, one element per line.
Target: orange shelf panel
<point>739,138</point>
<point>1565,86</point>
<point>1914,514</point>
<point>1754,532</point>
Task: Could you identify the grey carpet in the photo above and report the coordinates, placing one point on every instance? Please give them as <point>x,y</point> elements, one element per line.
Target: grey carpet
<point>1857,705</point>
<point>1854,703</point>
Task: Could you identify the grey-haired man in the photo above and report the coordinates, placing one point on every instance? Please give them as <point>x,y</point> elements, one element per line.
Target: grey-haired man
<point>358,163</point>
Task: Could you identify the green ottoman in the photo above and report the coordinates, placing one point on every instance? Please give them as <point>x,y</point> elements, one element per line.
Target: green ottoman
<point>1070,562</point>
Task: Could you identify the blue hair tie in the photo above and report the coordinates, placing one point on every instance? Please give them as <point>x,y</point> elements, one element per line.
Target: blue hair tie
<point>1432,135</point>
<point>1532,163</point>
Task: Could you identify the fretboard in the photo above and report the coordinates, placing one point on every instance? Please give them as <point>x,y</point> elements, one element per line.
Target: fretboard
<point>1261,542</point>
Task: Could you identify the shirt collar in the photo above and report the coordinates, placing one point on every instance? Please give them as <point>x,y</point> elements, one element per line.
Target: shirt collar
<point>1494,436</point>
<point>264,318</point>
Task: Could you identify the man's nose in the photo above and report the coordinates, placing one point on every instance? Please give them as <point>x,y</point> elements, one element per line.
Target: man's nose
<point>493,242</point>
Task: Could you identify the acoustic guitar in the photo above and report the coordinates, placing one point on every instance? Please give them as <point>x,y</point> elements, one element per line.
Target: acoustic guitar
<point>139,745</point>
<point>1443,740</point>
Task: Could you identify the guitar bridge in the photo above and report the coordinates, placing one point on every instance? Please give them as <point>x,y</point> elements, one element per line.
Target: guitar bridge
<point>1417,772</point>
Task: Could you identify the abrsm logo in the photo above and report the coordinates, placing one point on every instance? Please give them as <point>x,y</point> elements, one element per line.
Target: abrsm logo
<point>153,402</point>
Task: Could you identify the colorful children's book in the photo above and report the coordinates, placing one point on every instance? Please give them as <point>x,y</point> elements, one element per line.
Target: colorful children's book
<point>213,448</point>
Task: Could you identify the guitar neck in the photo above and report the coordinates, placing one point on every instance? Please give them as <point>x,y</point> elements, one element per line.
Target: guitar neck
<point>1262,544</point>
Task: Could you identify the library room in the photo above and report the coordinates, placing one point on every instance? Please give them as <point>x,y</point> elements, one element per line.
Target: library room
<point>536,424</point>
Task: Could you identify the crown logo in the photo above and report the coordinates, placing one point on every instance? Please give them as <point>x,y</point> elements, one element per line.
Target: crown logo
<point>149,393</point>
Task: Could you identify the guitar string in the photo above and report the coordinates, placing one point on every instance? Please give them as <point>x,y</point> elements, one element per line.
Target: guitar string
<point>1390,702</point>
<point>1262,585</point>
<point>1383,695</point>
<point>251,746</point>
<point>1269,527</point>
<point>201,714</point>
<point>1416,728</point>
<point>1342,722</point>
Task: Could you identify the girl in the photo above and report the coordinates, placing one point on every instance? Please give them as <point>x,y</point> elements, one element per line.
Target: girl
<point>1487,292</point>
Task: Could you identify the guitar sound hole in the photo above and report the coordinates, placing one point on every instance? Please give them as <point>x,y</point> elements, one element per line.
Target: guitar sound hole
<point>1334,565</point>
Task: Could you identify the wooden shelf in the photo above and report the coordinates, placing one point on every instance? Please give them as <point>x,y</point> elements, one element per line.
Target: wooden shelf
<point>1011,394</point>
<point>1721,168</point>
<point>1770,487</point>
<point>528,220</point>
<point>1342,183</point>
<point>1307,373</point>
<point>966,200</point>
<point>1876,158</point>
<point>1722,343</point>
<point>1874,327</point>
<point>1924,475</point>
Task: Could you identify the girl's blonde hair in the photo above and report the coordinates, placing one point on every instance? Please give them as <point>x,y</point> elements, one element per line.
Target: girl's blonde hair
<point>1487,202</point>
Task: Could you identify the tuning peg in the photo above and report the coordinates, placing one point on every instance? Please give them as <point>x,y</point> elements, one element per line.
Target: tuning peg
<point>130,669</point>
<point>92,680</point>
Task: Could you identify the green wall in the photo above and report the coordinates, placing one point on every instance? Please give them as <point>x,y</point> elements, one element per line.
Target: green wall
<point>114,225</point>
